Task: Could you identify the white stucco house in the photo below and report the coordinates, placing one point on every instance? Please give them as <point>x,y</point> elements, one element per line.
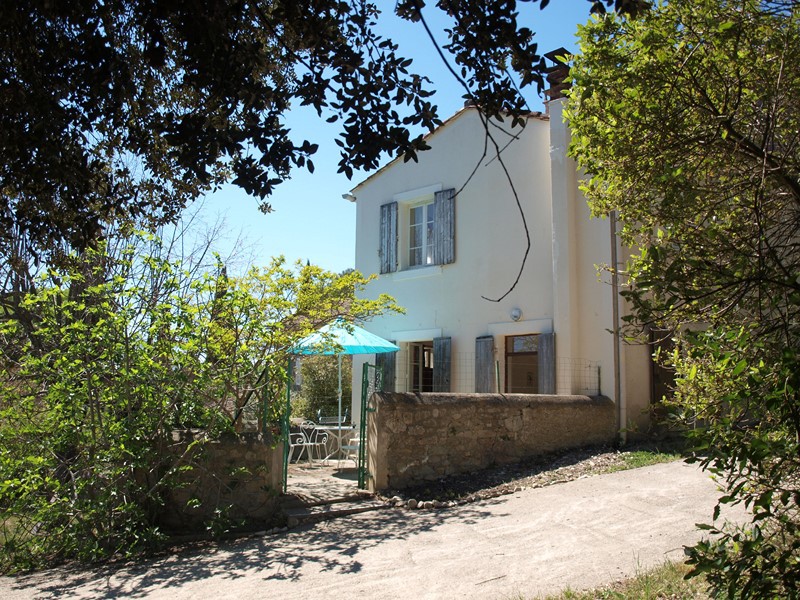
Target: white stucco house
<point>446,238</point>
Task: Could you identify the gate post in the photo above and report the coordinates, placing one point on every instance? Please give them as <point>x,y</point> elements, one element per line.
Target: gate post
<point>285,424</point>
<point>371,381</point>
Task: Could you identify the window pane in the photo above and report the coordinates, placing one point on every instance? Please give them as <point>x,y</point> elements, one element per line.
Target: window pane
<point>415,257</point>
<point>415,236</point>
<point>421,367</point>
<point>415,215</point>
<point>420,235</point>
<point>429,244</point>
<point>522,364</point>
<point>522,343</point>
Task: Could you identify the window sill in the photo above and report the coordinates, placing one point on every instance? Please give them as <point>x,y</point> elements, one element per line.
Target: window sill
<point>417,273</point>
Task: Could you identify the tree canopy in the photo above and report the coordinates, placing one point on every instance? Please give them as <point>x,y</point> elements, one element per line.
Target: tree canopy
<point>133,108</point>
<point>687,120</point>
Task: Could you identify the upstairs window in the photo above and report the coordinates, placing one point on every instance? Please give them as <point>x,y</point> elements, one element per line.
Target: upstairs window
<point>430,237</point>
<point>420,235</point>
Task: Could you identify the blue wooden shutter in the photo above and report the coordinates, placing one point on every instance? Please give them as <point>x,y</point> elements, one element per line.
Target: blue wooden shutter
<point>484,365</point>
<point>444,227</point>
<point>441,364</point>
<point>387,250</point>
<point>547,363</point>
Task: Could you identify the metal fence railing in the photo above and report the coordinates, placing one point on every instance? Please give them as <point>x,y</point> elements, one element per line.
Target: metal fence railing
<point>573,375</point>
<point>577,376</point>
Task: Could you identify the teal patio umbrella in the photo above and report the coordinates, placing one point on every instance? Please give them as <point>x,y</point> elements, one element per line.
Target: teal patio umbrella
<point>340,338</point>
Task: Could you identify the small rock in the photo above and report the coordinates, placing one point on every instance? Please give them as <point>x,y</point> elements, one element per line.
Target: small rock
<point>427,505</point>
<point>412,503</point>
<point>438,504</point>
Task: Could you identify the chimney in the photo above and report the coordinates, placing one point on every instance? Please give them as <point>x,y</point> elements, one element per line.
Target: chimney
<point>557,75</point>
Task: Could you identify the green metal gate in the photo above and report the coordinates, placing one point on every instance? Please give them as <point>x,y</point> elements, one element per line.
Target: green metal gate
<point>371,381</point>
<point>286,423</point>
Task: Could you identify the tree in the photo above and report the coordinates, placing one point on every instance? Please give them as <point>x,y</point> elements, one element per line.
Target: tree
<point>253,323</point>
<point>320,386</point>
<point>686,119</point>
<point>133,108</point>
<point>123,346</point>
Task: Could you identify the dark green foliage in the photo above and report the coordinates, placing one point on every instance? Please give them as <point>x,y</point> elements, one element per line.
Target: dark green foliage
<point>741,397</point>
<point>134,108</point>
<point>85,411</point>
<point>687,118</point>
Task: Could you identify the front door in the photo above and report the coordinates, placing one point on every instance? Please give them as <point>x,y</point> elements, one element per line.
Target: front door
<point>421,366</point>
<point>522,364</point>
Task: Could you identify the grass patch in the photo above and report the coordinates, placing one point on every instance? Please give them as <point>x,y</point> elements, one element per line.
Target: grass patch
<point>644,458</point>
<point>662,583</point>
<point>8,529</point>
<point>10,533</point>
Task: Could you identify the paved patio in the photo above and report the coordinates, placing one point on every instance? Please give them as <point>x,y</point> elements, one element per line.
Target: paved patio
<point>322,482</point>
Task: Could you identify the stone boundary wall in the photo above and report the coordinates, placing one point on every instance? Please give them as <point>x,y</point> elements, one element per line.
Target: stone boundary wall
<point>417,437</point>
<point>237,478</point>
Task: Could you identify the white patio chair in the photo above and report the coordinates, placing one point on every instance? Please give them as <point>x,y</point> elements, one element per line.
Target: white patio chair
<point>316,440</point>
<point>299,440</point>
<point>350,451</point>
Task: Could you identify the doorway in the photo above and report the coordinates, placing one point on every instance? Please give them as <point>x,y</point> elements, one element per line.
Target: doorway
<point>420,356</point>
<point>522,364</point>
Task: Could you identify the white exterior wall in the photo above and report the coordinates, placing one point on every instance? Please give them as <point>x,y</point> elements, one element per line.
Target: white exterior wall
<point>490,241</point>
<point>559,289</point>
<point>583,293</point>
<point>583,297</point>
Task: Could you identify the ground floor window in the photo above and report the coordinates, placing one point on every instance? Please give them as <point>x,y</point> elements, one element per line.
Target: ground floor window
<point>420,356</point>
<point>522,364</point>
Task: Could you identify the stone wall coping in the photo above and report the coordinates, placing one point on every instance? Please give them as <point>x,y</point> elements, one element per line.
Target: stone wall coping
<point>245,437</point>
<point>522,400</point>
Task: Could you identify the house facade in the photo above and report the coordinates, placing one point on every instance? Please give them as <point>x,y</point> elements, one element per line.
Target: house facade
<point>489,246</point>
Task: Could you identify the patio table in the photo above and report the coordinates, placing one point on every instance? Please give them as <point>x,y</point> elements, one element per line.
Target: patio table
<point>337,434</point>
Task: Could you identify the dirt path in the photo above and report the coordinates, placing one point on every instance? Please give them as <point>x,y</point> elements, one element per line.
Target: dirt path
<point>580,534</point>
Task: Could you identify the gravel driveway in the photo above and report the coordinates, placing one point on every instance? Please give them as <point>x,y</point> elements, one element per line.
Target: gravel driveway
<point>581,534</point>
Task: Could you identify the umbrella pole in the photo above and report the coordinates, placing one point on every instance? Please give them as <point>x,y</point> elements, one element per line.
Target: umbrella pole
<point>340,409</point>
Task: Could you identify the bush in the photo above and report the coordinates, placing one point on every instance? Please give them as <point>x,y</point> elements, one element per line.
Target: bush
<point>320,385</point>
<point>101,360</point>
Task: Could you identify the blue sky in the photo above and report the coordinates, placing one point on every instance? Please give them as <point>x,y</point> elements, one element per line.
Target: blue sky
<point>311,221</point>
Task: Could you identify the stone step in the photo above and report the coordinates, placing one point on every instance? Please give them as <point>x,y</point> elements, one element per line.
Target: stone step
<point>299,500</point>
<point>332,509</point>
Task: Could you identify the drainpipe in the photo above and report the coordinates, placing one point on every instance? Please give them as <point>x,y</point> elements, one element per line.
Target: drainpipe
<point>621,406</point>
